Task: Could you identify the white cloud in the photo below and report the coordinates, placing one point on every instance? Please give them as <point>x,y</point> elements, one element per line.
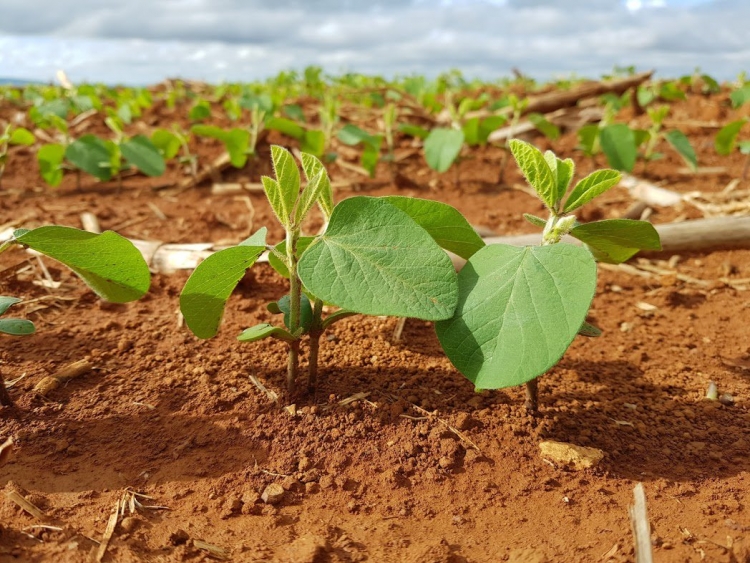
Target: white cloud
<point>142,41</point>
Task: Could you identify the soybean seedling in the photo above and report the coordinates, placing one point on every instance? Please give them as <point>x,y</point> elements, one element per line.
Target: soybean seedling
<point>108,263</point>
<point>519,309</point>
<point>377,256</point>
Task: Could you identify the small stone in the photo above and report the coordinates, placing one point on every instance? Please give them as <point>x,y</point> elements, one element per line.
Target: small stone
<point>250,497</point>
<point>578,457</point>
<point>304,464</point>
<point>273,494</point>
<point>464,421</point>
<point>445,462</point>
<point>726,399</point>
<point>326,482</point>
<point>230,507</point>
<point>291,484</point>
<point>180,537</point>
<point>129,524</point>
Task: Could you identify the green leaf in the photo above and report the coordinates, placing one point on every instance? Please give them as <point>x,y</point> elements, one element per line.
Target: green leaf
<point>50,158</point>
<point>7,302</point>
<point>518,311</point>
<point>263,331</point>
<point>740,96</point>
<point>536,171</point>
<point>413,130</point>
<point>681,144</point>
<point>287,176</point>
<point>471,131</point>
<point>140,152</point>
<point>618,144</point>
<point>562,171</point>
<point>726,138</point>
<point>616,240</point>
<point>587,137</point>
<point>312,166</point>
<point>237,142</point>
<point>22,136</point>
<point>286,127</point>
<point>449,229</point>
<point>371,157</point>
<point>92,155</point>
<point>352,135</point>
<point>310,195</point>
<point>488,125</point>
<point>273,193</point>
<point>108,263</point>
<point>278,265</point>
<point>589,330</point>
<point>314,142</point>
<point>375,259</point>
<point>548,129</point>
<point>207,290</point>
<point>200,111</point>
<point>671,92</point>
<point>294,111</point>
<point>166,142</point>
<point>441,148</point>
<point>306,312</point>
<point>591,186</point>
<point>17,327</point>
<point>534,220</point>
<point>258,238</point>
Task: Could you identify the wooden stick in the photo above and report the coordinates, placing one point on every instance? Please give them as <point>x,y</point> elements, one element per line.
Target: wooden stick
<point>25,505</point>
<point>641,526</point>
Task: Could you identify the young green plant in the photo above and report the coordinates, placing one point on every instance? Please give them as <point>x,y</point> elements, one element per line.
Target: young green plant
<point>377,256</point>
<point>519,309</point>
<point>108,263</point>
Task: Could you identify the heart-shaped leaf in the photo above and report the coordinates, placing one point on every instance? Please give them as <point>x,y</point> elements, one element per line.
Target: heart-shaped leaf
<point>619,145</point>
<point>518,311</point>
<point>375,259</point>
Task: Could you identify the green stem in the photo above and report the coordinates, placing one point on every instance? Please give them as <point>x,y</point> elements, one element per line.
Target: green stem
<point>316,331</point>
<point>295,291</point>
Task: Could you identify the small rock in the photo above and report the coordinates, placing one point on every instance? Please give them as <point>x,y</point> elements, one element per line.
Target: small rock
<point>578,457</point>
<point>291,484</point>
<point>129,524</point>
<point>273,494</point>
<point>180,537</point>
<point>464,421</point>
<point>445,462</point>
<point>326,482</point>
<point>230,507</point>
<point>304,464</point>
<point>726,399</point>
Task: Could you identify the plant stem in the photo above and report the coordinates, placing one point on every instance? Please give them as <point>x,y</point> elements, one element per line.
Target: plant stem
<point>5,399</point>
<point>532,396</point>
<point>292,235</point>
<point>316,331</point>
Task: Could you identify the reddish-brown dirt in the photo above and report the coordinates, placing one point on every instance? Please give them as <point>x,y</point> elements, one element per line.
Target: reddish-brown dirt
<point>418,468</point>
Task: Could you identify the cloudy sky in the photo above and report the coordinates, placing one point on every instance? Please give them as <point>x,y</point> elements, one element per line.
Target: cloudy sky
<point>145,41</point>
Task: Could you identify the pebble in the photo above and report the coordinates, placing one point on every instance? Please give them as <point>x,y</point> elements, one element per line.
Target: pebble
<point>273,494</point>
<point>578,457</point>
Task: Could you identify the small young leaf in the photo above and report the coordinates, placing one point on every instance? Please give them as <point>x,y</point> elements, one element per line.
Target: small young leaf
<point>92,155</point>
<point>312,166</point>
<point>587,329</point>
<point>287,176</point>
<point>375,259</point>
<point>109,264</point>
<point>306,312</point>
<point>740,96</point>
<point>371,156</point>
<point>441,148</point>
<point>471,131</point>
<point>444,224</point>
<point>166,142</point>
<point>548,129</point>
<point>140,152</point>
<point>413,131</point>
<point>278,203</point>
<point>50,158</point>
<point>616,240</point>
<point>587,137</point>
<point>618,144</point>
<point>262,331</point>
<point>207,290</point>
<point>534,220</point>
<point>200,111</point>
<point>518,311</point>
<point>726,138</point>
<point>681,144</point>
<point>286,127</point>
<point>536,171</point>
<point>237,143</point>
<point>278,265</point>
<point>352,135</point>
<point>489,125</point>
<point>310,195</point>
<point>562,171</point>
<point>258,238</point>
<point>22,136</point>
<point>7,302</point>
<point>17,327</point>
<point>591,186</point>
<point>294,111</point>
<point>314,142</point>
